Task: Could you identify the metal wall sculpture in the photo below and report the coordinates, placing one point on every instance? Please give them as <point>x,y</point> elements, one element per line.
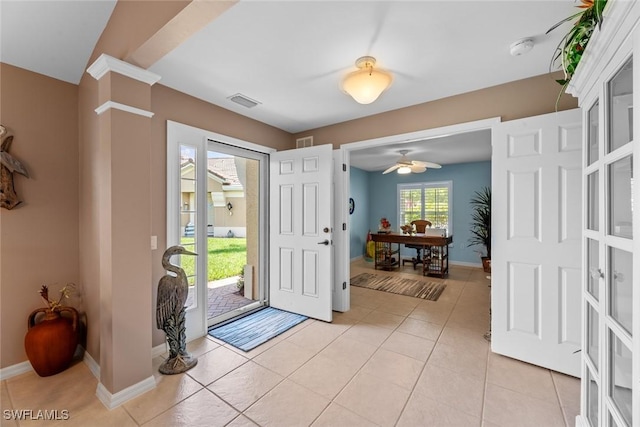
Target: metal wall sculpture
<point>8,165</point>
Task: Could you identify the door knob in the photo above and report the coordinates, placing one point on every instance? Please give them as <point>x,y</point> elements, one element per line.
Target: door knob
<point>324,242</point>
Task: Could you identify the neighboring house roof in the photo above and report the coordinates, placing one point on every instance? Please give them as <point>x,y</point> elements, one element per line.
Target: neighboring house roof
<point>223,168</point>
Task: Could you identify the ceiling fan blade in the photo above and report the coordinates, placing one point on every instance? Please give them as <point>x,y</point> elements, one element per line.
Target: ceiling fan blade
<point>432,165</point>
<point>418,163</point>
<point>418,169</point>
<point>391,169</point>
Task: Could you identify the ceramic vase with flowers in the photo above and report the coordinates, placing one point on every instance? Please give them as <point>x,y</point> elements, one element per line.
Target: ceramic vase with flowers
<point>385,226</point>
<point>51,338</point>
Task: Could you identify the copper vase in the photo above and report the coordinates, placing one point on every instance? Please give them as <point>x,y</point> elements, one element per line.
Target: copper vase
<point>51,343</point>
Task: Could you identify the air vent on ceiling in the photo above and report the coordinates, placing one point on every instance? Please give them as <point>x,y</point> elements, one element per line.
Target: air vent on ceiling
<point>307,141</point>
<point>243,100</point>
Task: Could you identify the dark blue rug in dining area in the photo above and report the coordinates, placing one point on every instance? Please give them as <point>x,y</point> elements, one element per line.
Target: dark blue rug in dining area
<point>256,328</point>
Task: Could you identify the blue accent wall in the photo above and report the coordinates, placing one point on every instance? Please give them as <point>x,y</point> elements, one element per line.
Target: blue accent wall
<point>467,178</point>
<point>359,220</point>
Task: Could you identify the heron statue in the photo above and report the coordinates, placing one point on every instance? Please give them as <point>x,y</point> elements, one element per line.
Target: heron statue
<point>170,313</point>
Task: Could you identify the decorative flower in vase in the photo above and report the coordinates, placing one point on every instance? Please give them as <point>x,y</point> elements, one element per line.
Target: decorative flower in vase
<point>52,304</point>
<point>385,224</point>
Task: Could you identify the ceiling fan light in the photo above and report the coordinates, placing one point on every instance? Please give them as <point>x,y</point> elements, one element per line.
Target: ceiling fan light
<point>403,170</point>
<point>366,84</point>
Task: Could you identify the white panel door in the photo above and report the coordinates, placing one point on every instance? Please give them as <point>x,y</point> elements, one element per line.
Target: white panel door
<point>536,223</point>
<point>300,256</point>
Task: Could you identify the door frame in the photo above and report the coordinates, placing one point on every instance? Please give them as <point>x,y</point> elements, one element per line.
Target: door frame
<point>181,133</point>
<point>424,134</point>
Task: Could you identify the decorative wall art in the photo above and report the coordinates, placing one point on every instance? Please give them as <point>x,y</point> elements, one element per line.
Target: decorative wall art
<point>8,165</point>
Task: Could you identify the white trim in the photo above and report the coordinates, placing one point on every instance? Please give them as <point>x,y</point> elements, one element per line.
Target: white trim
<point>118,106</point>
<point>581,421</point>
<point>341,298</point>
<point>112,401</point>
<point>190,133</point>
<point>13,370</point>
<point>423,134</point>
<point>106,63</point>
<point>91,364</point>
<point>21,368</point>
<point>466,263</point>
<point>159,350</point>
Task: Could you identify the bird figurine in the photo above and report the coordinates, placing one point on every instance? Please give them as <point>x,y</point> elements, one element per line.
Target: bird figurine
<point>170,313</point>
<point>8,165</point>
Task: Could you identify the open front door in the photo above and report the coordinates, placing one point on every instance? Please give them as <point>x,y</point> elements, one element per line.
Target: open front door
<point>537,227</point>
<point>300,255</point>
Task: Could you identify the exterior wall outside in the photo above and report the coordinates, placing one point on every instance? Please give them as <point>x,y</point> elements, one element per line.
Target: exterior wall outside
<point>39,237</point>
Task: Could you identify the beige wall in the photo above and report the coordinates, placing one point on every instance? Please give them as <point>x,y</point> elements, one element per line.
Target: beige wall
<point>38,238</point>
<point>515,100</point>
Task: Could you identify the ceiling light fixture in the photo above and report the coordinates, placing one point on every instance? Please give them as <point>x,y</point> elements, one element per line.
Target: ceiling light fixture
<point>366,84</point>
<point>403,170</point>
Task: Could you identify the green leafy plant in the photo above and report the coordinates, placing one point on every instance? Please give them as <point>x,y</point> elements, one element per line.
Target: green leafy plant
<point>481,219</point>
<point>571,47</point>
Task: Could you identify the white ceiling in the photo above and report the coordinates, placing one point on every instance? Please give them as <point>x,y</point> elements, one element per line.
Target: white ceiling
<point>458,148</point>
<point>291,55</point>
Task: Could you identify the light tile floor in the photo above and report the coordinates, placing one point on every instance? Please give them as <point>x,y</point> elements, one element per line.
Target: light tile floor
<point>390,361</point>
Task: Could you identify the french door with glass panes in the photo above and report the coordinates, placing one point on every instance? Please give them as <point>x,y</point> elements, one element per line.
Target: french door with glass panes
<point>217,208</point>
<point>609,383</point>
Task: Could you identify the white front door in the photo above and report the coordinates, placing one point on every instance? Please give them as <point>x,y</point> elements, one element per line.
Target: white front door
<point>537,226</point>
<point>300,255</point>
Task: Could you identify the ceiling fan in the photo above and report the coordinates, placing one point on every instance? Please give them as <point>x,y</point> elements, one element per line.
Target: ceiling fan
<point>404,165</point>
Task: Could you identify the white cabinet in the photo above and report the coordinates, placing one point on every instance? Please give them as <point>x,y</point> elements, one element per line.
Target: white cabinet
<point>604,85</point>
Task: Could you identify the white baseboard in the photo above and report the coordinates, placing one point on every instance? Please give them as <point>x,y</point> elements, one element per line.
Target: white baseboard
<point>466,264</point>
<point>91,364</point>
<point>159,349</point>
<point>581,422</point>
<point>13,370</point>
<point>112,401</point>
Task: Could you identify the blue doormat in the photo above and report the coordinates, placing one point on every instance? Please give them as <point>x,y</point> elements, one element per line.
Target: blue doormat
<point>256,328</point>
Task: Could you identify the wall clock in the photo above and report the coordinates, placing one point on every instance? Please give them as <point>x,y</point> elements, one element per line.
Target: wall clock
<point>352,205</point>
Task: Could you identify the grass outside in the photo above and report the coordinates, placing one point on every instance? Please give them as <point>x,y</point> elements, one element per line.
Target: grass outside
<point>227,257</point>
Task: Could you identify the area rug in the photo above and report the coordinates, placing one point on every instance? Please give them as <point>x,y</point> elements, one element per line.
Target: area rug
<point>256,328</point>
<point>399,285</point>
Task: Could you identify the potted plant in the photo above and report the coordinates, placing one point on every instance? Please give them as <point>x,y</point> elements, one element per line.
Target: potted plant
<point>481,224</point>
<point>572,45</point>
<point>50,342</point>
<point>240,282</point>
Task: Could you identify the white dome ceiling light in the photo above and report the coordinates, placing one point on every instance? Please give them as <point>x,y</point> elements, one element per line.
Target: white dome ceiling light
<point>366,84</point>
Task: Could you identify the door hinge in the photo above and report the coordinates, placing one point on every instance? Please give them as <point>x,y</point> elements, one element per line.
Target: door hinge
<point>344,285</point>
<point>344,226</point>
<point>344,167</point>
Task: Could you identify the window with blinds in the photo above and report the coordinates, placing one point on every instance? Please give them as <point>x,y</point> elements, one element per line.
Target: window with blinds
<point>426,200</point>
